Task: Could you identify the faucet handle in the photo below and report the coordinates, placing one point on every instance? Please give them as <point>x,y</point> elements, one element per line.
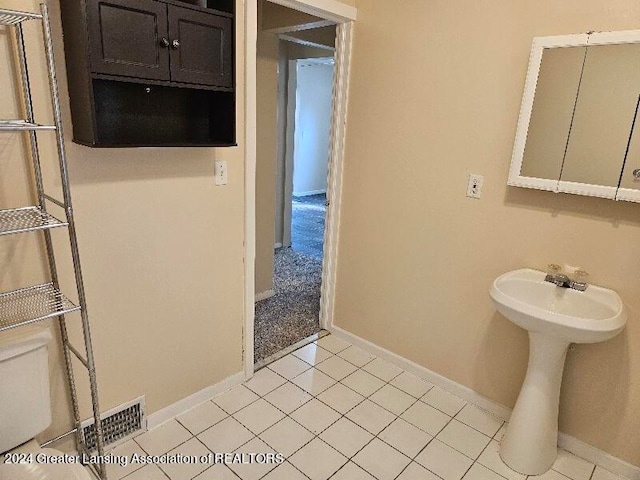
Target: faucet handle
<point>580,280</point>
<point>580,275</point>
<point>554,268</point>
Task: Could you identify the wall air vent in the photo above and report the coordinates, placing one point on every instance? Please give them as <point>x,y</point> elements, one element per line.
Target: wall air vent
<point>118,424</point>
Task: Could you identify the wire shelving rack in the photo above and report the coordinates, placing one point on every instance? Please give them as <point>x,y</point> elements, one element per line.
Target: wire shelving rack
<point>40,302</point>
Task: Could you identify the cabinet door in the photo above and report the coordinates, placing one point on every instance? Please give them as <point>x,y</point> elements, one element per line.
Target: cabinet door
<point>127,38</point>
<point>201,48</point>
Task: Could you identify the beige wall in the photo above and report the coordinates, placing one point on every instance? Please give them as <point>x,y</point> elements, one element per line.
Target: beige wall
<point>296,51</point>
<point>267,115</point>
<point>161,250</point>
<point>435,95</point>
<point>275,16</point>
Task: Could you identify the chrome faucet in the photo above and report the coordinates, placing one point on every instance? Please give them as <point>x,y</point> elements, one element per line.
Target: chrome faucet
<point>562,280</point>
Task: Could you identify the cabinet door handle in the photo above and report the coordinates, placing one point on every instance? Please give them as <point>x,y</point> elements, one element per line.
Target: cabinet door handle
<point>636,173</point>
<point>164,42</point>
<point>175,44</point>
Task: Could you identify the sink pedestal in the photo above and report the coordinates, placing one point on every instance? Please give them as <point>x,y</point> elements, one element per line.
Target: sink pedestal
<point>530,444</point>
<point>555,317</point>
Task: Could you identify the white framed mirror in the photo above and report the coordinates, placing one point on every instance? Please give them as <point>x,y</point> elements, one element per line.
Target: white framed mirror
<point>577,132</point>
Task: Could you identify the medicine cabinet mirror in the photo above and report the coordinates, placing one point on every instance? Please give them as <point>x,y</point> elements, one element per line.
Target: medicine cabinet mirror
<point>578,130</point>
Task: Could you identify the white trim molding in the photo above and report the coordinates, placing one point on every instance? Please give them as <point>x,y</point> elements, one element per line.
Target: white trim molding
<point>598,457</point>
<point>178,408</point>
<point>264,295</point>
<point>628,194</point>
<point>576,188</point>
<point>250,141</point>
<point>567,442</point>
<point>305,62</point>
<point>344,43</point>
<point>299,28</point>
<point>306,43</point>
<point>332,10</point>
<point>441,381</point>
<point>309,193</point>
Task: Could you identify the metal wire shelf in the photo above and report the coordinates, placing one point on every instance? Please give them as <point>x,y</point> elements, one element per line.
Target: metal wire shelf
<point>33,304</point>
<point>27,219</point>
<point>22,125</point>
<point>9,17</point>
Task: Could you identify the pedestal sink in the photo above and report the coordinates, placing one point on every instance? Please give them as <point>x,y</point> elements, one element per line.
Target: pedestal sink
<point>555,317</point>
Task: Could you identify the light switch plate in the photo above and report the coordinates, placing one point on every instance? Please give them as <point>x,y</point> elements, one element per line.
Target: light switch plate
<point>474,187</point>
<point>220,172</point>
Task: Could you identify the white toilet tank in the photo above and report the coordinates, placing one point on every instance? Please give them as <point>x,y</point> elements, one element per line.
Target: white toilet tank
<point>25,403</point>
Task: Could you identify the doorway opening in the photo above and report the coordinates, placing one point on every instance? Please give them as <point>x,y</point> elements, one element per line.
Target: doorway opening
<point>343,16</point>
<point>311,132</point>
<point>295,78</point>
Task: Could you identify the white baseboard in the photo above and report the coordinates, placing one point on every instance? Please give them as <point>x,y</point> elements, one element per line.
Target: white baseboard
<point>457,389</point>
<point>567,442</point>
<point>599,457</point>
<point>277,245</point>
<point>264,295</point>
<point>310,192</point>
<point>181,406</point>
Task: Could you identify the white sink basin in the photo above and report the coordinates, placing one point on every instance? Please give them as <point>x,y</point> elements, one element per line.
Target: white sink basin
<point>594,315</point>
<point>554,317</point>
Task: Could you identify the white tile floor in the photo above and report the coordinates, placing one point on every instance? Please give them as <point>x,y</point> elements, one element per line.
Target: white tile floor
<point>335,411</point>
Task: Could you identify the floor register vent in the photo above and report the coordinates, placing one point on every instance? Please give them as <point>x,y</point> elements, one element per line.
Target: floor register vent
<point>118,424</point>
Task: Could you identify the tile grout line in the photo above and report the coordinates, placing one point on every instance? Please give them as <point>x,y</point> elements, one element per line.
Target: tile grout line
<point>211,466</point>
<point>317,436</point>
<point>194,436</point>
<point>491,438</point>
<point>261,364</point>
<point>435,437</point>
<point>381,440</point>
<point>137,470</point>
<point>487,467</point>
<point>375,436</point>
<point>173,448</point>
<point>349,459</point>
<point>313,397</point>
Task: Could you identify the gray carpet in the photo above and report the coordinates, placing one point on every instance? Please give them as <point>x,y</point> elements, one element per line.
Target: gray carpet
<point>307,224</point>
<point>292,313</point>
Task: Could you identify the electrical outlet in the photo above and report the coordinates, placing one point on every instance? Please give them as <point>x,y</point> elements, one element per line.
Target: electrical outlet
<point>474,187</point>
<point>220,172</point>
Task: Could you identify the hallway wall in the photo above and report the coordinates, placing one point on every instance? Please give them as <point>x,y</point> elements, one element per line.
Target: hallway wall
<point>267,142</point>
<point>313,98</point>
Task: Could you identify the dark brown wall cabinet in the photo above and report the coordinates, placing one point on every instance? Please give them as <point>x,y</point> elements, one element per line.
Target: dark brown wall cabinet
<point>150,72</point>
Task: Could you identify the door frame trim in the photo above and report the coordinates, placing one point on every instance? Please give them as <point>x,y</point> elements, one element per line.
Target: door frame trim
<point>289,135</point>
<point>331,10</point>
<point>344,41</point>
<point>344,16</point>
